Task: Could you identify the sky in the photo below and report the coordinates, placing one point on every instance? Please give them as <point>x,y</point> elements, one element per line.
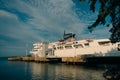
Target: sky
<point>24,22</point>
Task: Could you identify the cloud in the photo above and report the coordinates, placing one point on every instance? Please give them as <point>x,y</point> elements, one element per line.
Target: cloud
<point>27,21</point>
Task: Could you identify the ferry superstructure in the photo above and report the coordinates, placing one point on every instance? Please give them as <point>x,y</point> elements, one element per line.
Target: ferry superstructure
<point>70,47</point>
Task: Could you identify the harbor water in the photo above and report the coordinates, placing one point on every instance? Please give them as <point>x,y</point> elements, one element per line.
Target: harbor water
<point>20,70</point>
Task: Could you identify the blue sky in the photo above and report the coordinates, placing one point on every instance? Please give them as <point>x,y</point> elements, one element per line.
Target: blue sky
<point>23,22</point>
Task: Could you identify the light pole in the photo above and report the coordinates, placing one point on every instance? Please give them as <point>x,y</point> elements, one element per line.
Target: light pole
<point>26,49</point>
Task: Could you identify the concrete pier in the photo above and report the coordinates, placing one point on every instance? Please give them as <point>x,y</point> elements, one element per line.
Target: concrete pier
<point>49,59</point>
<point>74,60</point>
<point>15,58</point>
<point>41,59</point>
<point>28,58</point>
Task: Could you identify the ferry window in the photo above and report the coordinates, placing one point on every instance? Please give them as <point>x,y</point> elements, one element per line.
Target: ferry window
<point>78,46</point>
<point>60,47</point>
<point>104,43</point>
<point>86,44</point>
<point>54,48</point>
<point>68,47</point>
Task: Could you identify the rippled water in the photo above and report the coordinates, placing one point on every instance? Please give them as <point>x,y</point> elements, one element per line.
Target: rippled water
<point>18,70</point>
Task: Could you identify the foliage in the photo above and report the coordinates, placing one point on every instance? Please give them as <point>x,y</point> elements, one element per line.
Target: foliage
<point>111,9</point>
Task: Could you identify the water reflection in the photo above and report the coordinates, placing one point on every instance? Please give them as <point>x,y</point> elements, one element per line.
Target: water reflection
<point>46,71</point>
<point>18,70</point>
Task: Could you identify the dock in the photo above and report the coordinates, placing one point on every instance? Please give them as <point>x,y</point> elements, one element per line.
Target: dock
<point>48,59</point>
<point>69,60</point>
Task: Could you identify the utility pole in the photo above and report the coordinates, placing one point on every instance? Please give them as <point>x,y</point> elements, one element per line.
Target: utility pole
<point>26,49</point>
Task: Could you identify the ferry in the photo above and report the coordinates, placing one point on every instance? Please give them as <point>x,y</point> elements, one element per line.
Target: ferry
<point>69,46</point>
